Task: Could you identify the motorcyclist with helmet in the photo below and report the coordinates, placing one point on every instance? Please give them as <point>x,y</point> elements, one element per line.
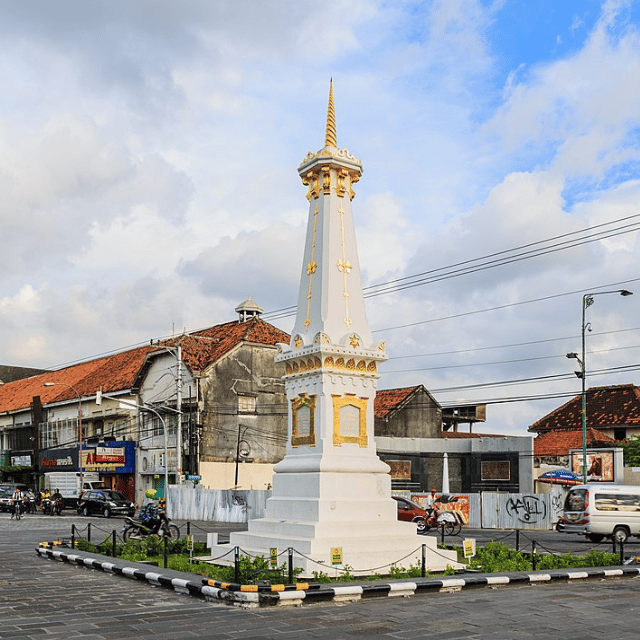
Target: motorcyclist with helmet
<point>150,514</point>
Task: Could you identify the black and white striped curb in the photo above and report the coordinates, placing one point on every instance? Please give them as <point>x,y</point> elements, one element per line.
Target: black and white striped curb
<point>305,593</point>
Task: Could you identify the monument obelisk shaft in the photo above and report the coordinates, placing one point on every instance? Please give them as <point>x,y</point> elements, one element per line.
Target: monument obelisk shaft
<point>331,490</point>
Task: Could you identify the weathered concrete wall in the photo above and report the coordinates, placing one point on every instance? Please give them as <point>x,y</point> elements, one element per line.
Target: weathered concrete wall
<point>222,475</point>
<point>421,417</point>
<point>249,371</point>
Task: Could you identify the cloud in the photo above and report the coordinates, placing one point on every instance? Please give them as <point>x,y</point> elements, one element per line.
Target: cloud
<point>149,154</point>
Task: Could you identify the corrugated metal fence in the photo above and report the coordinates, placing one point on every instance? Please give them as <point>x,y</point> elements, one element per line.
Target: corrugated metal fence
<point>486,510</point>
<point>519,510</point>
<point>217,505</point>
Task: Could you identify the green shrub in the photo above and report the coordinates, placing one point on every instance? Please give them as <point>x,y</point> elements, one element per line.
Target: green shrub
<point>495,557</point>
<point>567,561</point>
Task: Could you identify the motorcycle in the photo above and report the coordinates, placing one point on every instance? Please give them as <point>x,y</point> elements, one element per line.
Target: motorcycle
<point>135,529</point>
<point>31,504</point>
<point>449,522</point>
<point>56,507</point>
<point>46,506</point>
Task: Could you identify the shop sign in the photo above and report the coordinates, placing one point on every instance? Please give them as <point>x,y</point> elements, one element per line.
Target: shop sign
<point>110,454</point>
<point>116,459</point>
<point>61,459</point>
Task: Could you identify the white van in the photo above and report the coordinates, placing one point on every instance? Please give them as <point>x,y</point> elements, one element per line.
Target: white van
<point>598,510</point>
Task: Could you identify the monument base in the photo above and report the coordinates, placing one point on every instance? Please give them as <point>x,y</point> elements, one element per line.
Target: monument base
<point>337,521</point>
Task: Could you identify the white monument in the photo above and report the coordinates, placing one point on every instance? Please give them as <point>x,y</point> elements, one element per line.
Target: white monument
<point>331,497</point>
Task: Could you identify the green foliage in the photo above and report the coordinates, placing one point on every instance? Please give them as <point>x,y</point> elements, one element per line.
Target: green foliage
<point>495,557</point>
<point>253,569</point>
<point>566,561</point>
<point>85,545</point>
<point>414,571</point>
<point>631,448</point>
<point>180,546</point>
<point>321,577</point>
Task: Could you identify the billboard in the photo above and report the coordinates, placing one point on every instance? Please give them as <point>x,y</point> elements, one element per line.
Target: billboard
<point>600,464</point>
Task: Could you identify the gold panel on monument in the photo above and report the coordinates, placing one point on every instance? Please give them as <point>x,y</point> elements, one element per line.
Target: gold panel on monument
<point>349,420</point>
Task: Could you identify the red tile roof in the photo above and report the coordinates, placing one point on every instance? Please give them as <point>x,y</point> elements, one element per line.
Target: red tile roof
<point>113,373</point>
<point>389,399</point>
<point>466,434</point>
<point>612,406</point>
<point>201,348</point>
<point>558,443</point>
<point>118,372</point>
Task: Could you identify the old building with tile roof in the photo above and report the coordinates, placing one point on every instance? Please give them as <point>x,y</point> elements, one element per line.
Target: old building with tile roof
<point>409,412</point>
<point>552,447</point>
<point>411,438</point>
<point>229,385</point>
<point>612,410</point>
<point>612,416</point>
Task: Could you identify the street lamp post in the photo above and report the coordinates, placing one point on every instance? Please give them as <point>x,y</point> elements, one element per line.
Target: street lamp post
<point>587,301</point>
<point>151,409</point>
<point>80,467</point>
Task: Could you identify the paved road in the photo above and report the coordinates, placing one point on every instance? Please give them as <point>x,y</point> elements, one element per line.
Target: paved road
<point>49,601</point>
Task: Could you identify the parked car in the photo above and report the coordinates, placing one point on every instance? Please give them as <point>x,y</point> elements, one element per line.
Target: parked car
<point>410,511</point>
<point>106,503</point>
<point>7,490</point>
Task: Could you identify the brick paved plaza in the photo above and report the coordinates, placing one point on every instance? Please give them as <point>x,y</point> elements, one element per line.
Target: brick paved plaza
<point>49,600</point>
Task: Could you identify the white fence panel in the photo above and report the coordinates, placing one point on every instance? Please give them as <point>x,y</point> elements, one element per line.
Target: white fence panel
<point>486,510</point>
<point>475,511</point>
<point>217,505</point>
<point>521,510</point>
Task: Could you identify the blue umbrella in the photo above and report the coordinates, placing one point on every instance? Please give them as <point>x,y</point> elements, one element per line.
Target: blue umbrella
<point>560,476</point>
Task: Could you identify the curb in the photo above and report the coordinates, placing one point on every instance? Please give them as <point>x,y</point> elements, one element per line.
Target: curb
<point>309,593</point>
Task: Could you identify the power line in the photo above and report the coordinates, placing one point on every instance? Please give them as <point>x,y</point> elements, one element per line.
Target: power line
<point>506,306</point>
<point>505,346</point>
<point>517,381</point>
<point>375,289</point>
<point>484,364</point>
<point>474,265</point>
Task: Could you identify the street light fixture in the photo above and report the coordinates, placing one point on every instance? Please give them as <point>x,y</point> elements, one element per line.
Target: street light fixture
<point>587,301</point>
<point>80,467</point>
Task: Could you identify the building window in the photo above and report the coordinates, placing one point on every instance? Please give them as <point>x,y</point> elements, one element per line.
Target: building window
<point>246,404</point>
<point>619,433</point>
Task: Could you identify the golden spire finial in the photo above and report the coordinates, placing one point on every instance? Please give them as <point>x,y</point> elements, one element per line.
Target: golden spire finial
<point>331,136</point>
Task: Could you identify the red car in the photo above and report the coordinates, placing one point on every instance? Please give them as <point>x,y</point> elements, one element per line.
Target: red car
<point>410,511</point>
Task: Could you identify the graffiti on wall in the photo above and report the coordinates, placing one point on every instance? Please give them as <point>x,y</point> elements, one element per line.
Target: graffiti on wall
<point>527,508</point>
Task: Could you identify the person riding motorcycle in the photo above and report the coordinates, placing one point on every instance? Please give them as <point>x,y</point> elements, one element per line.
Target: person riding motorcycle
<point>45,501</point>
<point>56,501</point>
<point>150,512</point>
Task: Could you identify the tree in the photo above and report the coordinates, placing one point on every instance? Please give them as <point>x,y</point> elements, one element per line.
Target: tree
<point>631,448</point>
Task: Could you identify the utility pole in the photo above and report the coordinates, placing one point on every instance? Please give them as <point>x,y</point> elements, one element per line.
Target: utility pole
<point>179,408</point>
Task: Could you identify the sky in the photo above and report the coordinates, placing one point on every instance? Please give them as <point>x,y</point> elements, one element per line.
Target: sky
<point>148,171</point>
